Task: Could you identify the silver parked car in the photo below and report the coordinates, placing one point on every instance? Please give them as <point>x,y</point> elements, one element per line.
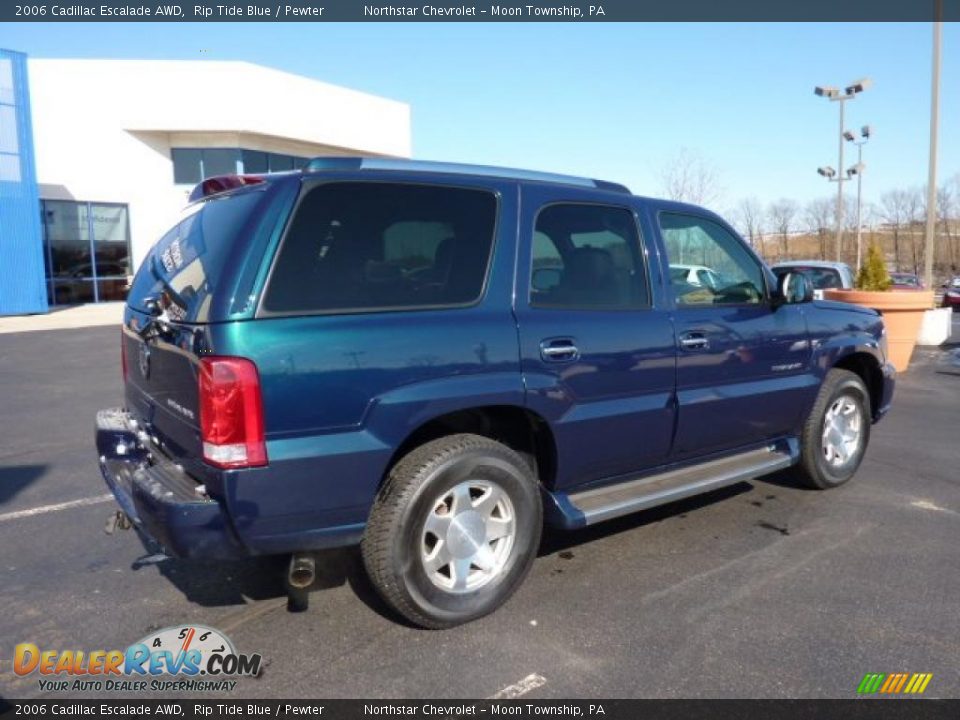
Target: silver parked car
<point>822,274</point>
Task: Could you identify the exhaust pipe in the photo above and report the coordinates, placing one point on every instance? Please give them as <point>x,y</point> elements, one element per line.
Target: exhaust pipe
<point>303,571</point>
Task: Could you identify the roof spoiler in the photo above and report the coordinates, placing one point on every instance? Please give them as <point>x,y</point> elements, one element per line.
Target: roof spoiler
<point>222,183</point>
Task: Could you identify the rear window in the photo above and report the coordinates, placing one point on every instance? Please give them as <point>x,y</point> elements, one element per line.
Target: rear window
<point>381,246</point>
<point>191,257</point>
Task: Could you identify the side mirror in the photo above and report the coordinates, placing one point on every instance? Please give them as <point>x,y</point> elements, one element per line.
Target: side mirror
<point>545,279</point>
<point>794,288</point>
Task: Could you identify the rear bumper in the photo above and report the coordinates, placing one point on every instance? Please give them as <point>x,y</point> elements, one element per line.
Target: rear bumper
<point>163,502</point>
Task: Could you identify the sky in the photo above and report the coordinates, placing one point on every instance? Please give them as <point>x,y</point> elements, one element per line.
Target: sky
<point>615,101</point>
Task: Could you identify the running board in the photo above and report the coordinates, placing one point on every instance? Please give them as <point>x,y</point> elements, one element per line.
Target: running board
<point>612,501</point>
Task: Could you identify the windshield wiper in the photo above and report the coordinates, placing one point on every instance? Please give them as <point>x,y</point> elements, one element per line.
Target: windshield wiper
<point>159,319</point>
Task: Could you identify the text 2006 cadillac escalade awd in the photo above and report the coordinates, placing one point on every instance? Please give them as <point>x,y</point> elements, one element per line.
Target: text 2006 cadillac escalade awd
<point>433,360</point>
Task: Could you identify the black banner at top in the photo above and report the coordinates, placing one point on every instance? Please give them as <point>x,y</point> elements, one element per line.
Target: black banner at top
<point>478,10</point>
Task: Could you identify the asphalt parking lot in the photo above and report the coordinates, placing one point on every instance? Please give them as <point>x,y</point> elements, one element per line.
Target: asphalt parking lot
<point>759,590</point>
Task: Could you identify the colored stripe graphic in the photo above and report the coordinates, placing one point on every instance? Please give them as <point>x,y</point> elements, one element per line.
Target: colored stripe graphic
<point>894,683</point>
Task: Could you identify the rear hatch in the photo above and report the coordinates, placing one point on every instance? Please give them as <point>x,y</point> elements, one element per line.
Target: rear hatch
<point>175,297</point>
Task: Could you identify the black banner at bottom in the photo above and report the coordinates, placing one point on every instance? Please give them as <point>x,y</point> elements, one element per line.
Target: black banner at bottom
<point>860,709</point>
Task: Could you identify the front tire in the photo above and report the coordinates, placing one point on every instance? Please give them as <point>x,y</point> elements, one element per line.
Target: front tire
<point>837,431</point>
<point>453,531</point>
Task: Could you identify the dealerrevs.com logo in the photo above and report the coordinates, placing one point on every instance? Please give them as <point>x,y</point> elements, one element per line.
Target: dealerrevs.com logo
<point>186,657</point>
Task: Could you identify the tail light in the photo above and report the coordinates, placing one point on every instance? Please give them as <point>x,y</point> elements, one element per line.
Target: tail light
<point>123,355</point>
<point>231,413</point>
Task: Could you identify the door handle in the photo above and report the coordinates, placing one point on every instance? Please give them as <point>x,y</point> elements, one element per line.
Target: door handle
<point>694,341</point>
<point>559,350</point>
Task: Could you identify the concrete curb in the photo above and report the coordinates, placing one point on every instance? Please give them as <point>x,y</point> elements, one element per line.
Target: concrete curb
<point>65,318</point>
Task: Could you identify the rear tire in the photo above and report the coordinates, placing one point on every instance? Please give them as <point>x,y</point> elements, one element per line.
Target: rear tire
<point>454,530</point>
<point>836,433</point>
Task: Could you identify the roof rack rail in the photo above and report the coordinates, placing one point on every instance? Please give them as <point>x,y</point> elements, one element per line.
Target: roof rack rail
<point>398,165</point>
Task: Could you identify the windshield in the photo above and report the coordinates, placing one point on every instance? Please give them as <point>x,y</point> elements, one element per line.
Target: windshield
<point>905,279</point>
<point>191,257</point>
<point>820,278</point>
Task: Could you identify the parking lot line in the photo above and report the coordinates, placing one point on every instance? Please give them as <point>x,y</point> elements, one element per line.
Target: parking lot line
<point>44,509</point>
<point>530,682</point>
<point>927,505</point>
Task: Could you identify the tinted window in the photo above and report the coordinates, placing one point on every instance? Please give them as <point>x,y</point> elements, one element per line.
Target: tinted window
<point>355,246</point>
<point>587,256</point>
<point>192,256</point>
<point>726,274</point>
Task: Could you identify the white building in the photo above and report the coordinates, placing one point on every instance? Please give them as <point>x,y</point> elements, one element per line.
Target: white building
<point>120,143</point>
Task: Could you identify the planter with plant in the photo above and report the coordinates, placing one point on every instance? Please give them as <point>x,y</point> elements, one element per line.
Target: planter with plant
<point>902,310</point>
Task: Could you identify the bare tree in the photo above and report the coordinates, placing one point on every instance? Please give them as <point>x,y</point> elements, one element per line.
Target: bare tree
<point>782,213</point>
<point>748,217</point>
<point>896,210</point>
<point>689,177</point>
<point>818,217</point>
<point>946,206</point>
<point>916,213</point>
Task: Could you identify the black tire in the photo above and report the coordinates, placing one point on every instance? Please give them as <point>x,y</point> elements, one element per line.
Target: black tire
<point>814,469</point>
<point>396,534</point>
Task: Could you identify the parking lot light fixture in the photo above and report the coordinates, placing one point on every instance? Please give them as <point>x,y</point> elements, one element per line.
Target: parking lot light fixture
<point>834,95</point>
<point>857,170</point>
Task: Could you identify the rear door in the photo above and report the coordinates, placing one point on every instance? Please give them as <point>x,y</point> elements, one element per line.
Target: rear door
<point>597,346</point>
<point>743,367</point>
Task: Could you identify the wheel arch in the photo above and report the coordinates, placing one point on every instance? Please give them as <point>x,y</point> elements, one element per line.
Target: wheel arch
<point>867,367</point>
<point>515,426</point>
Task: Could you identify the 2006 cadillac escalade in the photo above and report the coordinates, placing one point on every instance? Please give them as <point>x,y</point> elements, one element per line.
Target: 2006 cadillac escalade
<point>432,360</point>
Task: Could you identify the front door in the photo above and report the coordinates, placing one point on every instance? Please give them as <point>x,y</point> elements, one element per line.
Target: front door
<point>597,346</point>
<point>743,370</point>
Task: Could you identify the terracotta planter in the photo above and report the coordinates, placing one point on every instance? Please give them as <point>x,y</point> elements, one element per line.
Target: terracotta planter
<point>902,312</point>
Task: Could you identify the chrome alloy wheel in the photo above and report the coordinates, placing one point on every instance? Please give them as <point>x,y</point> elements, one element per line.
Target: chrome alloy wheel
<point>842,431</point>
<point>468,535</point>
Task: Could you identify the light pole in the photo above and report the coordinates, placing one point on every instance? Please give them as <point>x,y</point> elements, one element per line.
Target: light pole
<point>834,95</point>
<point>931,225</point>
<point>857,170</point>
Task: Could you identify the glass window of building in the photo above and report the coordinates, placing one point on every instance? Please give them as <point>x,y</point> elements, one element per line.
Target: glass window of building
<point>220,161</point>
<point>187,166</point>
<point>87,248</point>
<point>254,161</point>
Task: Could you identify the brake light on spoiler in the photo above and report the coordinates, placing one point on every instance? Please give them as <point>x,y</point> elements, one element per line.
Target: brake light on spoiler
<point>222,183</point>
<point>231,413</point>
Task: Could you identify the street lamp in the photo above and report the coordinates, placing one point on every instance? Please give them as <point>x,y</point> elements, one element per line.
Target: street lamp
<point>857,170</point>
<point>834,94</point>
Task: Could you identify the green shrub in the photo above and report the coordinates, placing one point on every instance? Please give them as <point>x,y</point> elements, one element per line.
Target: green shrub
<point>873,275</point>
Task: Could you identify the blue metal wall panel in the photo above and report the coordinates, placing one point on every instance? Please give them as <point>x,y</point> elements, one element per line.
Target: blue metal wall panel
<point>22,282</point>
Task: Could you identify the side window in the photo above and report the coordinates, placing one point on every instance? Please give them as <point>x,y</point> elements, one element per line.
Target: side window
<point>587,257</point>
<point>708,265</point>
<point>379,246</point>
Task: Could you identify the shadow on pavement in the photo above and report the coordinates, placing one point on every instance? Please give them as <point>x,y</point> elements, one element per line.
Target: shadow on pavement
<point>15,478</point>
<point>555,541</point>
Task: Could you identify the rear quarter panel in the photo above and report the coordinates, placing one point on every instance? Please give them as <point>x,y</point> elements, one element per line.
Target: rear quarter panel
<point>342,392</point>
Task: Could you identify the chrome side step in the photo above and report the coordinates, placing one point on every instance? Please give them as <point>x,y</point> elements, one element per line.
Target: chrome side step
<point>624,498</point>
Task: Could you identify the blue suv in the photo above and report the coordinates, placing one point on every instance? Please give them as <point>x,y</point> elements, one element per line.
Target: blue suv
<point>432,360</point>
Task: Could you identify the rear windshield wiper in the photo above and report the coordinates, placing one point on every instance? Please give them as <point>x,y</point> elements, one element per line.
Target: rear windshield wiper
<point>174,296</point>
<point>159,318</point>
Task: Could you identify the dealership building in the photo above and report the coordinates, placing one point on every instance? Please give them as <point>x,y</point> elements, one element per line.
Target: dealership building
<point>97,157</point>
